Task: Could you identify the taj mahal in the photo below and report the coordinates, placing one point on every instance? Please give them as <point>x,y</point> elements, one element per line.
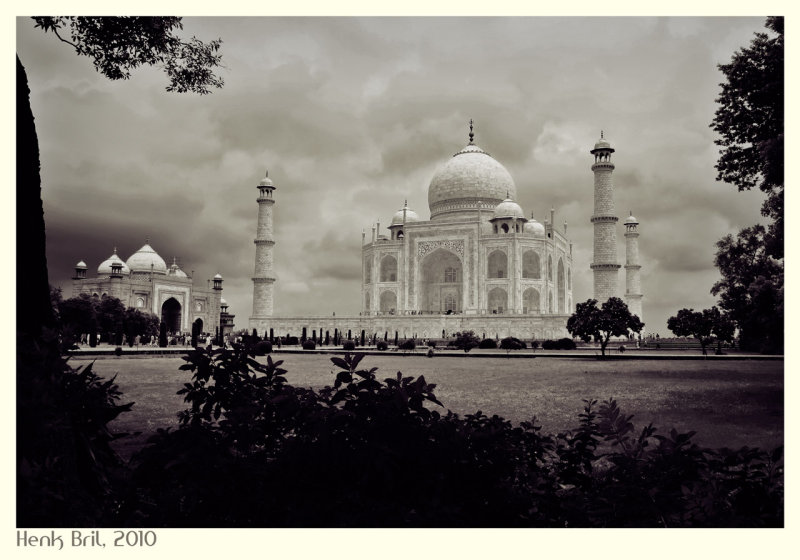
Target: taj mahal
<point>476,264</point>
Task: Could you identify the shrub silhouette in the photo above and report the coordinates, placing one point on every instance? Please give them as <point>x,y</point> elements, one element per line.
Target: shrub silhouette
<point>254,451</point>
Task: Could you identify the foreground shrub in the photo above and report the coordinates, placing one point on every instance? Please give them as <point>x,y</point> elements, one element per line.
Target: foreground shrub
<point>68,475</point>
<point>348,345</point>
<point>487,343</point>
<point>431,344</point>
<point>262,348</point>
<point>510,343</point>
<point>382,345</point>
<point>309,345</point>
<point>254,451</point>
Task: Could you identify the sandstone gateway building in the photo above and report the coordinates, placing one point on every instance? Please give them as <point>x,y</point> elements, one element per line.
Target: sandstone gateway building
<point>477,264</point>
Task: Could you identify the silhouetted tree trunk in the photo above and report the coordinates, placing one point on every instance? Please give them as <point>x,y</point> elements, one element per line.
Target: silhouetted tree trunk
<point>33,291</point>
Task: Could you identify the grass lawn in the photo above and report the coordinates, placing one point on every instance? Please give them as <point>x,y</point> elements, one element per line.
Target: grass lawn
<point>729,404</point>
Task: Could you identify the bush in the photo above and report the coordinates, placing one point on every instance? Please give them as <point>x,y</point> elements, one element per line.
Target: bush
<point>382,345</point>
<point>408,344</point>
<point>291,340</point>
<point>254,451</point>
<point>348,345</point>
<point>534,344</point>
<point>309,345</point>
<point>431,344</point>
<point>430,352</point>
<point>565,344</point>
<point>262,348</point>
<point>487,343</point>
<point>145,339</point>
<point>118,351</point>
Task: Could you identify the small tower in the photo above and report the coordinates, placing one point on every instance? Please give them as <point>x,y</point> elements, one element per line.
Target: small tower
<point>633,284</point>
<point>264,277</point>
<point>80,271</point>
<point>604,265</point>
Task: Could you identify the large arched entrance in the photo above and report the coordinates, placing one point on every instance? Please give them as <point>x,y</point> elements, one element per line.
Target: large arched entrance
<point>441,283</point>
<point>171,315</point>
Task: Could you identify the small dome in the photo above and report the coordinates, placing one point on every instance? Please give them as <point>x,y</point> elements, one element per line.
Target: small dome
<point>508,209</point>
<point>175,270</point>
<point>217,276</point>
<point>411,216</point>
<point>266,181</point>
<point>105,266</point>
<point>534,228</point>
<point>142,260</point>
<point>602,144</point>
<point>223,302</point>
<point>631,220</point>
<point>81,265</point>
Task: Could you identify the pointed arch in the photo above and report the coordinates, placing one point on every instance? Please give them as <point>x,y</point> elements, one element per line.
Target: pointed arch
<point>388,269</point>
<point>531,267</point>
<point>530,301</point>
<point>497,264</point>
<point>562,287</point>
<point>498,300</point>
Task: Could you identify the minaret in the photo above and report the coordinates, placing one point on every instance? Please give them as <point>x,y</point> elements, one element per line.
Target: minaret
<point>633,284</point>
<point>604,265</point>
<point>264,277</point>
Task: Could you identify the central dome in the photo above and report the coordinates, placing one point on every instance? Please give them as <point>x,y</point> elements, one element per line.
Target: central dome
<point>470,177</point>
<point>146,260</point>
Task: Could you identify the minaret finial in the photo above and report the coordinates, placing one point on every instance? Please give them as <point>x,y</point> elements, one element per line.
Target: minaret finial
<point>405,204</point>
<point>115,249</point>
<point>471,134</point>
<point>508,193</point>
<point>601,134</point>
<point>266,173</point>
<point>147,240</point>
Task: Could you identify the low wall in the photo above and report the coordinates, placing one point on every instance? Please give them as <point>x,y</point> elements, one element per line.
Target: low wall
<point>539,327</point>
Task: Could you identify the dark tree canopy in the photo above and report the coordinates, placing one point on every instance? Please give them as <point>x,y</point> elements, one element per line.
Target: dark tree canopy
<point>749,121</point>
<point>613,318</point>
<point>466,341</point>
<point>118,45</point>
<point>749,118</point>
<point>751,288</point>
<point>703,325</point>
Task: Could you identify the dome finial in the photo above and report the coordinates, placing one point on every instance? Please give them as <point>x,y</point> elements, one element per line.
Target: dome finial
<point>147,240</point>
<point>601,134</point>
<point>471,134</point>
<point>405,204</point>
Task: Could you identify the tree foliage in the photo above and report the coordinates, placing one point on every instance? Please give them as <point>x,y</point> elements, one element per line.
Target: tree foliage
<point>613,318</point>
<point>118,45</point>
<point>466,341</point>
<point>510,343</point>
<point>750,123</point>
<point>751,289</point>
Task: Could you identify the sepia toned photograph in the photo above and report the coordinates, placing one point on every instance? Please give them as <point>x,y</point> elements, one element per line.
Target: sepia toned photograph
<point>398,272</point>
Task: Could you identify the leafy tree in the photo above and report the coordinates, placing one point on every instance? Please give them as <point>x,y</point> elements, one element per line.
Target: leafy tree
<point>466,341</point>
<point>689,322</point>
<point>751,289</point>
<point>116,45</point>
<point>722,326</point>
<point>110,315</point>
<point>139,323</point>
<point>510,343</point>
<point>78,314</point>
<point>613,318</point>
<point>749,120</point>
<point>706,326</point>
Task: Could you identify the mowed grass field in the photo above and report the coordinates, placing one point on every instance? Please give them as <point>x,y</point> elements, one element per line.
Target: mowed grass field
<point>729,404</point>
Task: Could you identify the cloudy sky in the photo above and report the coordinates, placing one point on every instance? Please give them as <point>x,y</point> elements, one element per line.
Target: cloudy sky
<point>352,116</point>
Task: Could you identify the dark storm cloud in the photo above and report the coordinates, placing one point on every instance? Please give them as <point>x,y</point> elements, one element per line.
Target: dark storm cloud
<point>353,115</point>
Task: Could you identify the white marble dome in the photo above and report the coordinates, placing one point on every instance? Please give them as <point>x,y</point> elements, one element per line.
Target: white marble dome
<point>105,266</point>
<point>631,220</point>
<point>534,228</point>
<point>469,180</point>
<point>411,216</point>
<point>508,209</point>
<point>141,260</point>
